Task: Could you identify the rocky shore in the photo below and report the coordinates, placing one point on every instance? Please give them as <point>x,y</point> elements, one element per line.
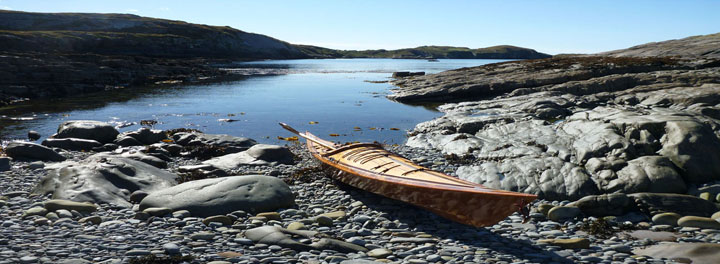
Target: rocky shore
<point>89,194</point>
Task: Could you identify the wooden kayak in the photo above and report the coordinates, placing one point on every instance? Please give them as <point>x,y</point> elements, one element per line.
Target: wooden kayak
<point>369,167</point>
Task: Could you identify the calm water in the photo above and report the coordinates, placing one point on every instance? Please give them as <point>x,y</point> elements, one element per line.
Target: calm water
<point>336,94</point>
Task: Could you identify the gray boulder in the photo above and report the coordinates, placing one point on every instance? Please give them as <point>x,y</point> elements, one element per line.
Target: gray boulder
<point>31,151</point>
<point>656,203</point>
<point>260,154</point>
<point>220,196</point>
<point>648,174</point>
<point>76,144</point>
<point>231,144</point>
<point>102,178</point>
<point>694,148</point>
<point>145,135</point>
<point>87,129</point>
<point>605,204</point>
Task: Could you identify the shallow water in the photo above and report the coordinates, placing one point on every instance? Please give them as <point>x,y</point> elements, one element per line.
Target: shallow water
<point>340,95</point>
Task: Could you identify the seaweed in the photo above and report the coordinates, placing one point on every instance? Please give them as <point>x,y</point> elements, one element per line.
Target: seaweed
<point>602,228</point>
<point>460,160</point>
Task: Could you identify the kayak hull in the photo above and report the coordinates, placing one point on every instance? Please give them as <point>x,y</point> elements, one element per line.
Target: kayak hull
<point>461,201</point>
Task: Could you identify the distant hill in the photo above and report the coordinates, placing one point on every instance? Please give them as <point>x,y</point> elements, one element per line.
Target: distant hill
<point>440,52</point>
<point>707,46</point>
<point>123,34</point>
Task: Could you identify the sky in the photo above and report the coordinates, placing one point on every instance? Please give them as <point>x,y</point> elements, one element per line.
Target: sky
<point>550,26</point>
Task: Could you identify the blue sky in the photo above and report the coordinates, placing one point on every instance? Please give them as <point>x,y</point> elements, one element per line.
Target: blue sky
<point>547,26</point>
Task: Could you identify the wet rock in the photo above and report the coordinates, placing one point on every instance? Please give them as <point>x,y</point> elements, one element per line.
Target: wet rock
<point>230,144</point>
<point>86,129</point>
<point>699,222</point>
<point>102,178</point>
<point>31,151</point>
<point>655,203</point>
<point>145,135</point>
<point>76,144</point>
<point>208,197</point>
<point>259,154</point>
<point>604,204</point>
<point>33,135</point>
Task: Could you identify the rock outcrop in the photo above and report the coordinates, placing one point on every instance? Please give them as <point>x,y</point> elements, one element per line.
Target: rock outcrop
<point>219,196</point>
<point>572,126</point>
<point>103,178</point>
<point>707,46</point>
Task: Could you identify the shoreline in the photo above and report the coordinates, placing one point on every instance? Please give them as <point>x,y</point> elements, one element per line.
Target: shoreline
<point>376,229</point>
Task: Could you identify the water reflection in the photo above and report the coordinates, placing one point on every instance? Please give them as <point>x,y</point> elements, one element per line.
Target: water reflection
<point>333,93</point>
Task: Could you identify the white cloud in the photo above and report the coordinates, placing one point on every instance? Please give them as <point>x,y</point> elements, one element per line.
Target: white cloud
<point>5,8</point>
<point>131,10</point>
<point>164,9</point>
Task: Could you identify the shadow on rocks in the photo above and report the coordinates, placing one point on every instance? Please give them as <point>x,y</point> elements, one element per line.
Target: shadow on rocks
<point>455,235</point>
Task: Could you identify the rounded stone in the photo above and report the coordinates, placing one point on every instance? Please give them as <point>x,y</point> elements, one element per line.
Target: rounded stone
<point>571,243</point>
<point>379,253</point>
<point>296,226</point>
<point>666,219</point>
<point>35,211</point>
<point>699,222</point>
<point>335,214</point>
<point>158,211</point>
<point>224,220</point>
<point>137,196</point>
<point>41,221</point>
<point>716,216</point>
<point>707,196</point>
<point>271,215</point>
<point>171,248</point>
<point>544,208</point>
<point>95,220</point>
<point>180,214</point>
<point>56,204</point>
<point>324,220</point>
<point>202,236</point>
<point>562,213</point>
